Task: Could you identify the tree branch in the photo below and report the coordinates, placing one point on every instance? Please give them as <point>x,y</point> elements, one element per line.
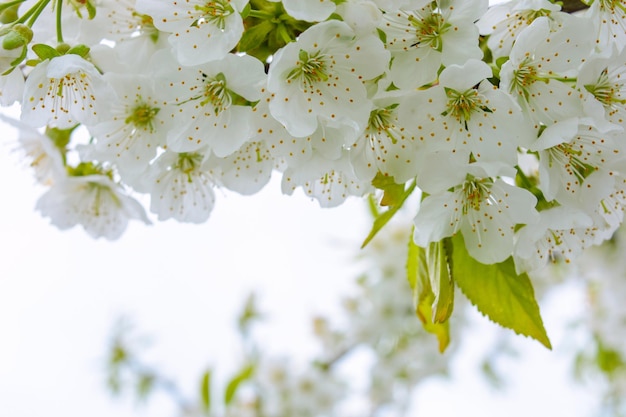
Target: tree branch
<point>572,6</point>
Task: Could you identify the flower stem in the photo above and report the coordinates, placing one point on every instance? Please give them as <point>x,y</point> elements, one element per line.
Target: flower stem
<point>33,13</point>
<point>59,22</point>
<point>259,14</point>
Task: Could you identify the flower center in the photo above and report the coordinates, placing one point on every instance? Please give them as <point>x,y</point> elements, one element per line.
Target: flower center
<point>216,93</point>
<point>142,116</point>
<point>310,68</point>
<point>381,120</point>
<point>187,163</point>
<point>571,160</point>
<point>475,193</point>
<point>529,16</point>
<point>428,30</point>
<point>461,105</point>
<point>606,93</point>
<point>143,24</point>
<point>611,6</point>
<point>214,12</point>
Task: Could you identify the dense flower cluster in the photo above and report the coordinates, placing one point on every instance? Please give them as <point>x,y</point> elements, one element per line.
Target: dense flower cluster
<point>509,119</point>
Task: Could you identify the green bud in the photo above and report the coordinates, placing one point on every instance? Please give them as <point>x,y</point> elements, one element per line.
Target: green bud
<point>62,48</point>
<point>18,36</point>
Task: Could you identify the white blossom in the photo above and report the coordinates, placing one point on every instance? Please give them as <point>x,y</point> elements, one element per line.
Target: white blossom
<point>135,127</point>
<point>93,201</point>
<point>180,187</point>
<point>63,92</point>
<point>421,40</point>
<point>319,79</point>
<point>201,30</point>
<point>604,78</point>
<point>541,65</point>
<point>574,160</point>
<point>504,22</point>
<point>560,234</point>
<point>209,103</point>
<point>246,171</point>
<point>485,210</point>
<point>609,17</point>
<point>311,11</point>
<point>330,182</point>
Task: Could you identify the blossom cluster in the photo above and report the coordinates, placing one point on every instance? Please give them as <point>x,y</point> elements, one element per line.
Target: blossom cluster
<point>509,119</point>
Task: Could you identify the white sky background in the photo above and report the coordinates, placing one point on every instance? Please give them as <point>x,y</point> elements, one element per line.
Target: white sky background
<point>61,292</point>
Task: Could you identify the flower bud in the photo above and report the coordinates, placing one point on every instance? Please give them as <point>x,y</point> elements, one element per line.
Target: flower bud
<point>62,48</point>
<point>17,37</point>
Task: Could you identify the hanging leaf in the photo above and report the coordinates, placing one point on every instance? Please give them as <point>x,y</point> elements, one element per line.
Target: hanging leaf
<point>499,293</point>
<point>423,296</point>
<point>384,217</point>
<point>440,279</point>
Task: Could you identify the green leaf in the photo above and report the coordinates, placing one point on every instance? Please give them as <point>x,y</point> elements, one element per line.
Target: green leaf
<point>499,293</point>
<point>254,36</point>
<point>205,392</point>
<point>384,217</point>
<point>392,192</point>
<point>423,296</point>
<point>44,51</point>
<point>442,286</point>
<point>242,376</point>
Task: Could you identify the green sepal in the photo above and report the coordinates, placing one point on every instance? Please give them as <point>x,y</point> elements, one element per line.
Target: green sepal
<point>205,392</point>
<point>91,10</point>
<point>335,16</point>
<point>498,292</point>
<point>385,216</point>
<point>246,11</point>
<point>243,375</point>
<point>382,35</point>
<point>423,295</point>
<point>17,60</point>
<point>80,50</point>
<point>44,51</point>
